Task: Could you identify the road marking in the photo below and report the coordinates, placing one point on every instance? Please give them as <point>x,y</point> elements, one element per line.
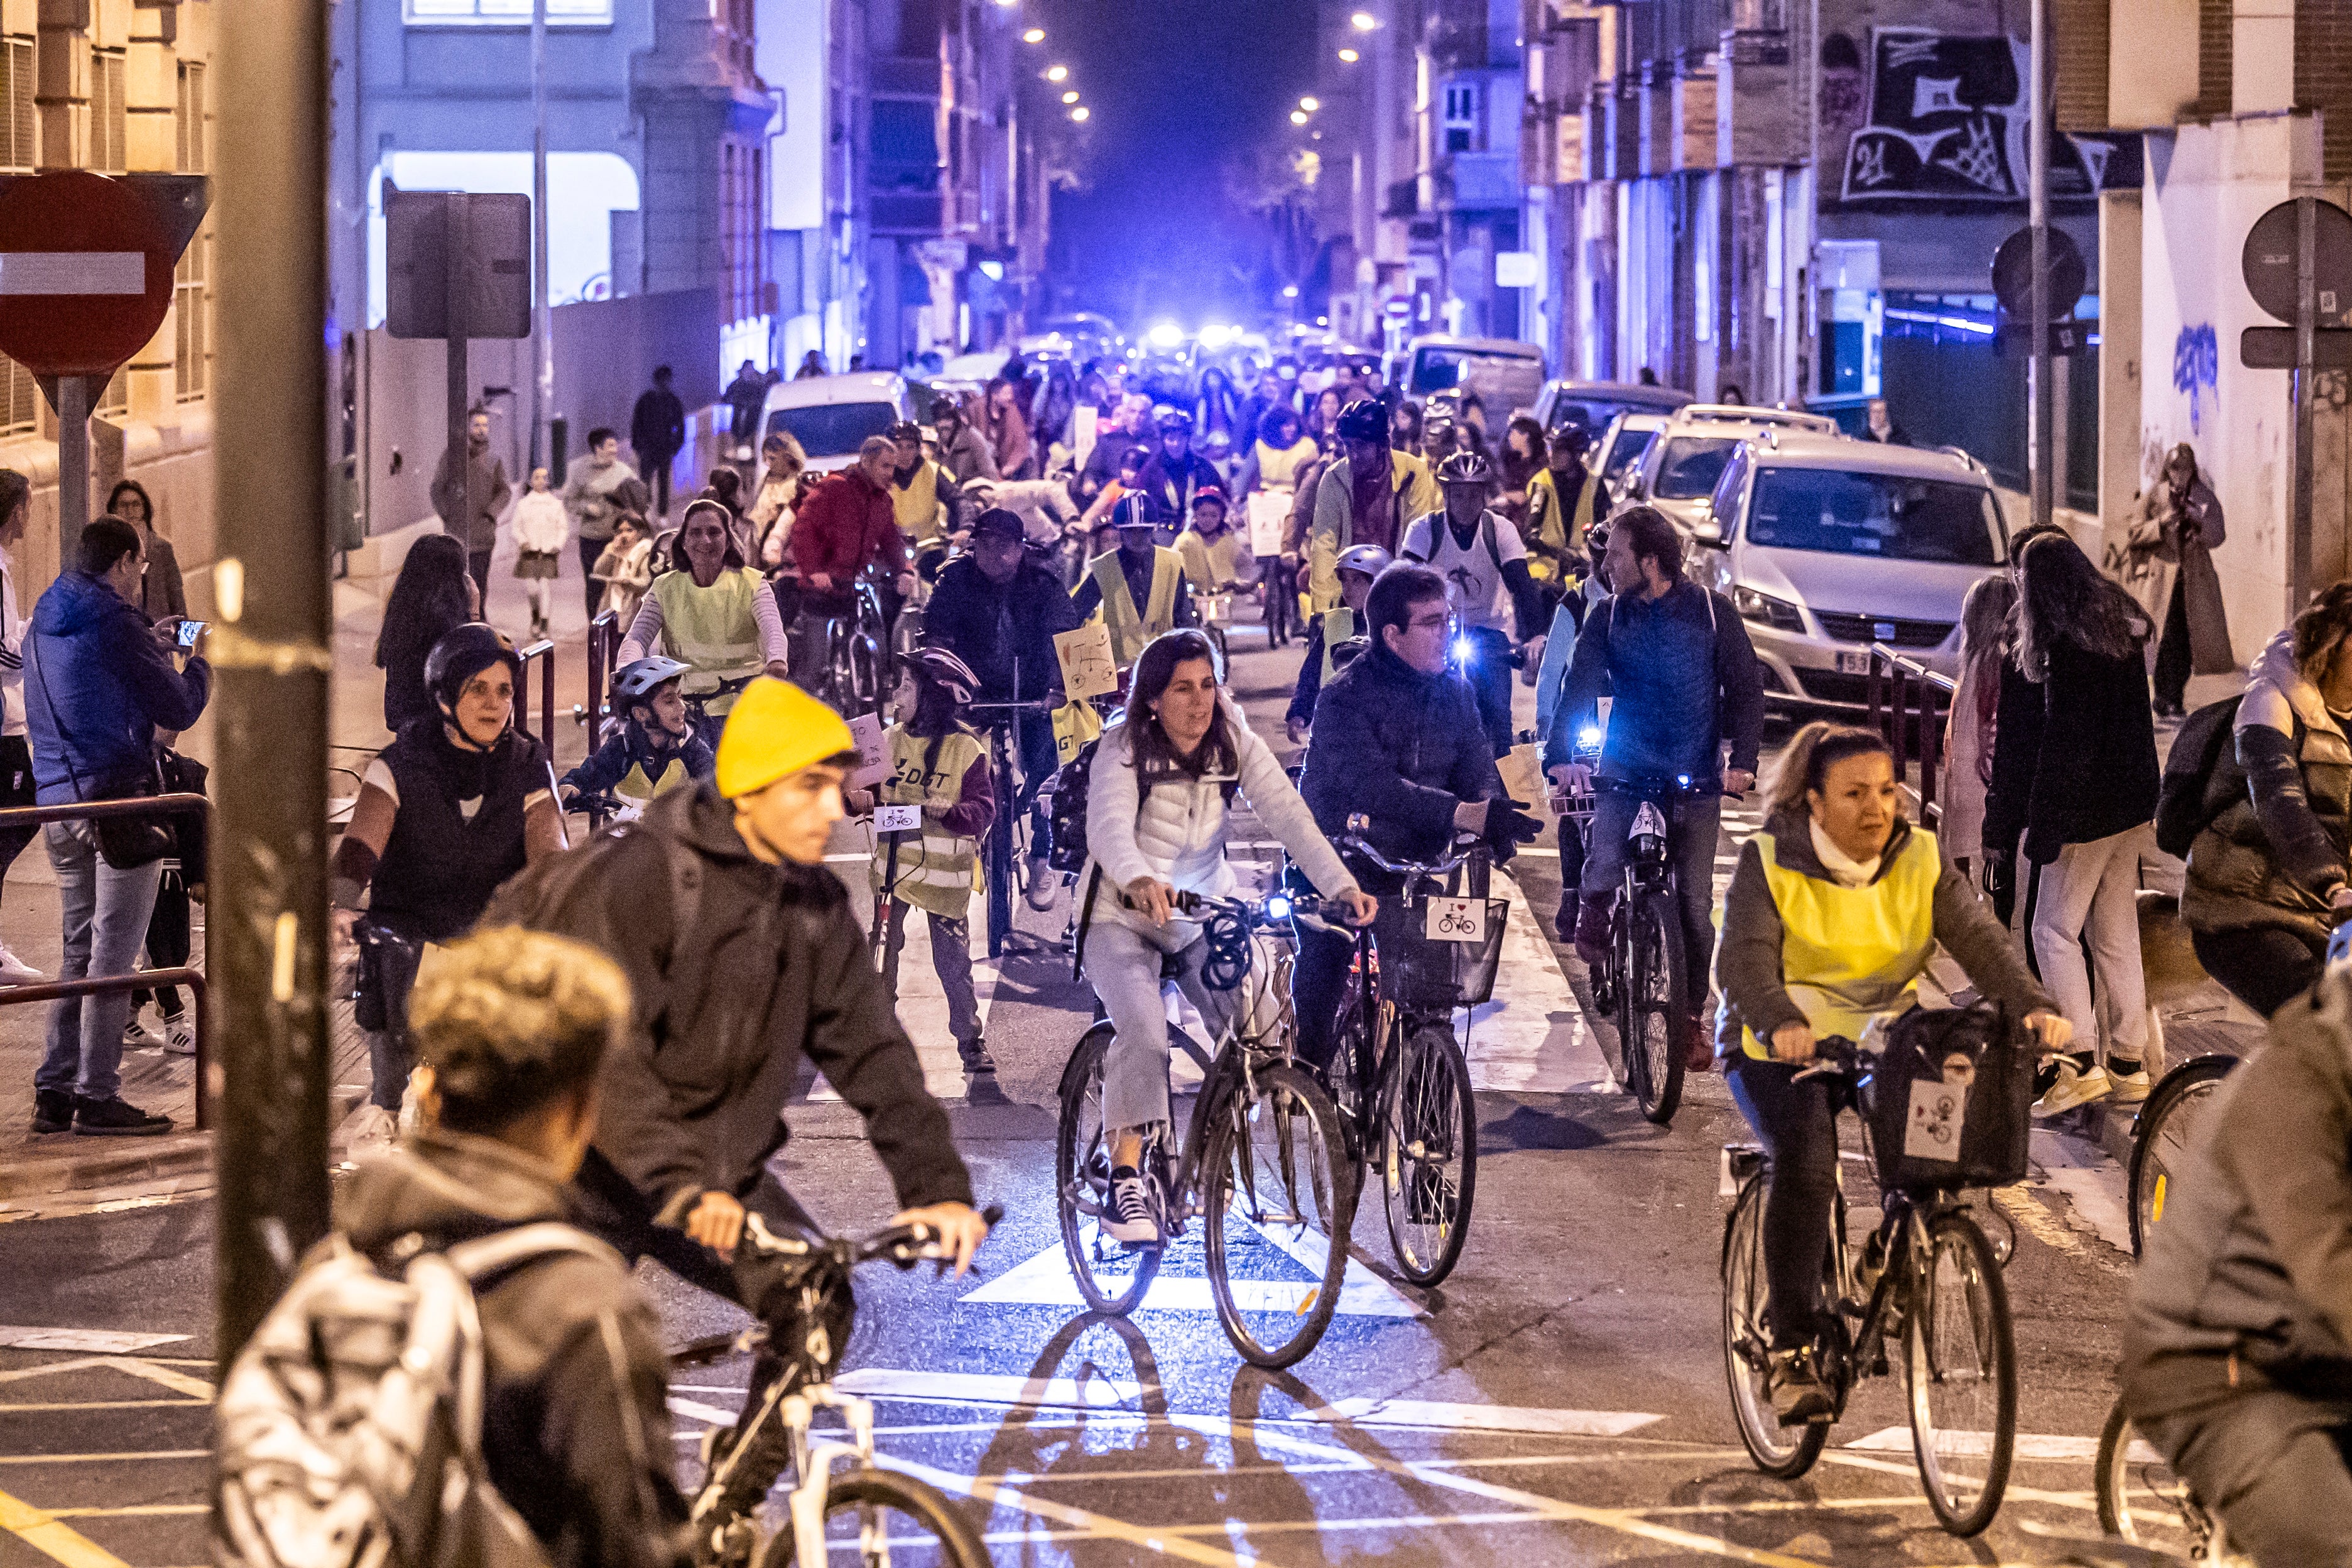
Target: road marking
<point>43,1534</point>
<point>103,1404</point>
<point>103,1341</point>
<point>695,1410</point>
<point>1531,1037</point>
<point>1046,1280</point>
<point>2027,1445</point>
<point>998,1496</point>
<point>1441,1416</point>
<point>2020,1205</point>
<point>923,1011</point>
<point>981,1388</point>
<point>177,1382</point>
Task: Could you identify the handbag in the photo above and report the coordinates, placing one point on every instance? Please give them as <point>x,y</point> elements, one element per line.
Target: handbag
<point>125,843</point>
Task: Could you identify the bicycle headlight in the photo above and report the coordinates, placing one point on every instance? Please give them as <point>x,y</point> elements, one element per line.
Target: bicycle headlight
<point>1589,738</point>
<point>1277,907</point>
<point>1463,650</point>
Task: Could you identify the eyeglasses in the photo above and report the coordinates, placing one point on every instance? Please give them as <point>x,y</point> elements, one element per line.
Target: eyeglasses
<point>1425,624</point>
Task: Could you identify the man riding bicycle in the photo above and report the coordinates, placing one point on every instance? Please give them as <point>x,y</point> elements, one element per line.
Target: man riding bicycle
<point>1684,680</point>
<point>1365,498</point>
<point>1484,565</point>
<point>964,451</point>
<point>1176,473</point>
<point>1140,587</point>
<point>848,522</point>
<point>923,495</point>
<point>741,956</point>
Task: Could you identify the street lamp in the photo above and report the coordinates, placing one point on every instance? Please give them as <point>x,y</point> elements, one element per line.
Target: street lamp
<point>1310,104</point>
<point>1363,21</point>
<point>1348,57</point>
<point>1290,291</point>
<point>1034,35</point>
<point>1057,73</point>
<point>1298,117</point>
<point>1069,98</point>
<point>1079,114</point>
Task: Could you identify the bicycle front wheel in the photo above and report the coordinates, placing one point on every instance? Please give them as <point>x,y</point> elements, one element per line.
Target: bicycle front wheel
<point>881,1519</point>
<point>1112,1275</point>
<point>1961,1361</point>
<point>1429,1144</point>
<point>1782,1452</point>
<point>2160,1138</point>
<point>1655,1000</point>
<point>2142,1501</point>
<point>1277,1216</point>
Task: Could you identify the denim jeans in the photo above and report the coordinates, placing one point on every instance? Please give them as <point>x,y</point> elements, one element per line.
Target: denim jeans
<point>1123,964</point>
<point>106,913</point>
<point>2090,893</point>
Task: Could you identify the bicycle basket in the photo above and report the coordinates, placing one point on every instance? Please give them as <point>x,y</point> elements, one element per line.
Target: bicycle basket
<point>1420,971</point>
<point>1949,1102</point>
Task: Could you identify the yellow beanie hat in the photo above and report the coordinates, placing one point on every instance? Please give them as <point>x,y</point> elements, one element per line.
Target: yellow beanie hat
<point>775,729</point>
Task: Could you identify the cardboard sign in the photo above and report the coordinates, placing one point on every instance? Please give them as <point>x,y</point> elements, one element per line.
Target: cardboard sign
<point>1522,771</point>
<point>1937,1110</point>
<point>1454,920</point>
<point>1269,514</point>
<point>873,755</point>
<point>897,818</point>
<point>1087,668</point>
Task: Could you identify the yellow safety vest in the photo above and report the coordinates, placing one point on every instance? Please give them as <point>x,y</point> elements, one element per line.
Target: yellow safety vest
<point>1129,632</point>
<point>935,870</point>
<point>713,630</point>
<point>1556,525</point>
<point>1339,626</point>
<point>1074,723</point>
<point>917,506</point>
<point>1847,953</point>
<point>635,785</point>
<point>1278,467</point>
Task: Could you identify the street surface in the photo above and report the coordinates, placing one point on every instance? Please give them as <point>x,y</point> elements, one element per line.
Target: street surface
<point>1561,1398</point>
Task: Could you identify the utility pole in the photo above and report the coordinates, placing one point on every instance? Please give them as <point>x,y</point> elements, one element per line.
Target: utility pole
<point>2040,440</point>
<point>542,388</point>
<point>271,646</point>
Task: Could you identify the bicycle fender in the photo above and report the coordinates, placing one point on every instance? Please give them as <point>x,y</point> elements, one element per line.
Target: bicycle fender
<point>1062,1090</point>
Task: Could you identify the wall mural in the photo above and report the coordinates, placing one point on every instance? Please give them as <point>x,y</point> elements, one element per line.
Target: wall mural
<point>1946,121</point>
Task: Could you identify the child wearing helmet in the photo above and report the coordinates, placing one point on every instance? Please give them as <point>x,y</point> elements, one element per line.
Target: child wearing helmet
<point>936,762</point>
<point>1217,558</point>
<point>652,747</point>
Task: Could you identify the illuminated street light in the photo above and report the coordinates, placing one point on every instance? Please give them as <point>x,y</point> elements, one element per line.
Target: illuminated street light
<point>1079,114</point>
<point>1310,104</point>
<point>1069,98</point>
<point>1034,35</point>
<point>1363,21</point>
<point>1057,73</point>
<point>1348,57</point>
<point>1298,117</point>
<point>1290,291</point>
<point>1166,335</point>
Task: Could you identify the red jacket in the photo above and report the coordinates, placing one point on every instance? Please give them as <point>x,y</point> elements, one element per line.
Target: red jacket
<point>844,524</point>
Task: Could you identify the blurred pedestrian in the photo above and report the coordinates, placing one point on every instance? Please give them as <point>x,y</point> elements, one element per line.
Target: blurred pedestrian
<point>542,530</point>
<point>1008,431</point>
<point>1879,425</point>
<point>745,396</point>
<point>2168,568</point>
<point>1968,727</point>
<point>1217,408</point>
<point>812,366</point>
<point>471,493</point>
<point>163,595</point>
<point>1323,419</point>
<point>658,432</point>
<point>591,495</point>
<point>432,595</point>
<point>16,755</point>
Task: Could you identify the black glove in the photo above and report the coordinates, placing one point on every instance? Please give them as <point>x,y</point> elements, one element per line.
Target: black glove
<point>1999,873</point>
<point>1507,828</point>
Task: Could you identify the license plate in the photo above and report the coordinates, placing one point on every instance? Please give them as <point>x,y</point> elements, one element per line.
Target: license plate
<point>1454,920</point>
<point>1853,663</point>
<point>897,818</point>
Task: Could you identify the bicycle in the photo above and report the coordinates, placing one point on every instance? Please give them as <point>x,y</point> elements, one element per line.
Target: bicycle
<point>1399,1078</point>
<point>1261,1148</point>
<point>849,663</point>
<point>2142,1502</point>
<point>1008,850</point>
<point>1929,1275</point>
<point>725,1534</point>
<point>2161,1134</point>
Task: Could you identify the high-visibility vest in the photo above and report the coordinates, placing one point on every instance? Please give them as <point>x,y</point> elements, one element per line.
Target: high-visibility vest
<point>1338,625</point>
<point>1128,631</point>
<point>1557,525</point>
<point>934,871</point>
<point>1848,954</point>
<point>1074,723</point>
<point>1278,467</point>
<point>634,785</point>
<point>712,631</point>
<point>915,505</point>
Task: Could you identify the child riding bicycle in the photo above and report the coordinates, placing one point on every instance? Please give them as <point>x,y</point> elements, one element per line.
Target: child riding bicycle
<point>652,749</point>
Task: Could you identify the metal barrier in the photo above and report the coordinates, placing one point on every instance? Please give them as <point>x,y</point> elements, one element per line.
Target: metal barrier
<point>603,645</point>
<point>542,654</point>
<point>139,980</point>
<point>1909,716</point>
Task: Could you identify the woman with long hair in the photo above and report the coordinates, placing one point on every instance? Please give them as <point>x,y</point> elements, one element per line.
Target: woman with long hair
<point>1831,916</point>
<point>163,594</point>
<point>2167,565</point>
<point>1157,814</point>
<point>2074,776</point>
<point>1522,458</point>
<point>1404,426</point>
<point>1968,727</point>
<point>432,595</point>
<point>1217,408</point>
<point>1008,430</point>
<point>1323,419</point>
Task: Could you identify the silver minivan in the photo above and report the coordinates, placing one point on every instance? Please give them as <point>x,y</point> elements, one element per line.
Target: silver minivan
<point>1678,473</point>
<point>1827,545</point>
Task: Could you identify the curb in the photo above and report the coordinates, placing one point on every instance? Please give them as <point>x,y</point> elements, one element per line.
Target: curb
<point>174,1154</point>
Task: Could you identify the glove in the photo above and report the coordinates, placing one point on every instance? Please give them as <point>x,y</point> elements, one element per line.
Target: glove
<point>1999,873</point>
<point>1507,828</point>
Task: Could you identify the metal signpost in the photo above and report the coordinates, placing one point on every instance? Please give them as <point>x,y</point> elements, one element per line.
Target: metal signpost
<point>457,265</point>
<point>2298,266</point>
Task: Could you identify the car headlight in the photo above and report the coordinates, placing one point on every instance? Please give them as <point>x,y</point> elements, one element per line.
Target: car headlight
<point>1767,611</point>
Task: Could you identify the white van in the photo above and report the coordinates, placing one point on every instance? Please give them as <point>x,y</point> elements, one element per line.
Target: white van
<point>831,416</point>
<point>1508,375</point>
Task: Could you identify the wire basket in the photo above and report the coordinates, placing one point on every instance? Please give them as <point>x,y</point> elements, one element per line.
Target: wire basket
<point>1418,971</point>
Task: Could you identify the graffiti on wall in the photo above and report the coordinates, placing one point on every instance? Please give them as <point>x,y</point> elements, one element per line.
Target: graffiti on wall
<point>1947,120</point>
<point>2196,371</point>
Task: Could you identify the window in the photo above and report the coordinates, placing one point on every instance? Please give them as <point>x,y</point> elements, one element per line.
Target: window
<point>17,119</point>
<point>1460,117</point>
<point>20,399</point>
<point>189,122</point>
<point>106,123</point>
<point>506,12</point>
<point>1889,516</point>
<point>192,303</point>
<point>833,429</point>
<point>1690,465</point>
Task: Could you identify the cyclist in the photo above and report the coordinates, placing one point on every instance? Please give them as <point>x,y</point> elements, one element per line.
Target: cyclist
<point>513,1027</point>
<point>936,762</point>
<point>847,523</point>
<point>714,615</point>
<point>1563,500</point>
<point>1835,909</point>
<point>1157,811</point>
<point>1684,680</point>
<point>1126,432</point>
<point>2237,1356</point>
<point>923,496</point>
<point>1365,498</point>
<point>741,957</point>
<point>964,451</point>
<point>1326,632</point>
<point>1216,555</point>
<point>998,609</point>
<point>1397,738</point>
<point>1485,564</point>
<point>653,750</point>
<point>1140,587</point>
<point>1176,473</point>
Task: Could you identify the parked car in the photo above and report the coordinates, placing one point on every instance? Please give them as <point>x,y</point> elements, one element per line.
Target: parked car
<point>1617,455</point>
<point>1595,403</point>
<point>1506,375</point>
<point>830,415</point>
<point>1828,545</point>
<point>1679,474</point>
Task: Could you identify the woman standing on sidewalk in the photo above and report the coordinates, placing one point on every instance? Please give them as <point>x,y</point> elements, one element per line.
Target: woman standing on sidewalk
<point>2074,773</point>
<point>1969,728</point>
<point>432,595</point>
<point>2168,567</point>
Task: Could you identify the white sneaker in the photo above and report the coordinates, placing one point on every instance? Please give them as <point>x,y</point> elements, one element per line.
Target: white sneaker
<point>2131,1087</point>
<point>180,1036</point>
<point>2075,1087</point>
<point>1128,1216</point>
<point>370,1131</point>
<point>1042,884</point>
<point>138,1037</point>
<point>15,970</point>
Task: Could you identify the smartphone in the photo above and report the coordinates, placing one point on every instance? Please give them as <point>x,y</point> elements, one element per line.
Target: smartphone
<point>190,631</point>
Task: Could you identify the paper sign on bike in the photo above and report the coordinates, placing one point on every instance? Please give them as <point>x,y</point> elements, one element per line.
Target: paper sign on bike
<point>1937,1110</point>
<point>1269,511</point>
<point>897,818</point>
<point>873,755</point>
<point>1088,669</point>
<point>1454,920</point>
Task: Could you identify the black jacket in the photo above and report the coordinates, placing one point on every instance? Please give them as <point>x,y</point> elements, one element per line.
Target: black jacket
<point>989,626</point>
<point>658,424</point>
<point>2073,756</point>
<point>1168,485</point>
<point>575,1426</point>
<point>774,967</point>
<point>1401,747</point>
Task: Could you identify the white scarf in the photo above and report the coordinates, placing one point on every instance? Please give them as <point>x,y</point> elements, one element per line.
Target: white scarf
<point>1843,869</point>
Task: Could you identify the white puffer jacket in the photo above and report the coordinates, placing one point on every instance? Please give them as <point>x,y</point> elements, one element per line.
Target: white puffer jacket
<point>1178,834</point>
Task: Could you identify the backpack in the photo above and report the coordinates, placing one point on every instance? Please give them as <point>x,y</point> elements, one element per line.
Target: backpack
<point>554,878</point>
<point>349,1431</point>
<point>1066,817</point>
<point>2182,808</point>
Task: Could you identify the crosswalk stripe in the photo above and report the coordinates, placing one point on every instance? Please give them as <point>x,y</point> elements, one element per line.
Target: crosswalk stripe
<point>1045,1280</point>
<point>1444,1415</point>
<point>100,1340</point>
<point>2026,1445</point>
<point>1060,1393</point>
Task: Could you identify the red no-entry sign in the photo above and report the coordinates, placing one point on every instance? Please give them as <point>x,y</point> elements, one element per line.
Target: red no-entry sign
<point>86,265</point>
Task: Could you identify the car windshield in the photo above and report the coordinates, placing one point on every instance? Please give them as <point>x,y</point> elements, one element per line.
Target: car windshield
<point>1632,447</point>
<point>1886,515</point>
<point>1691,466</point>
<point>833,429</point>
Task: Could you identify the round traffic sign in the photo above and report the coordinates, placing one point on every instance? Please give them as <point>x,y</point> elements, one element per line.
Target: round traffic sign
<point>85,273</point>
<point>2012,273</point>
<point>2269,261</point>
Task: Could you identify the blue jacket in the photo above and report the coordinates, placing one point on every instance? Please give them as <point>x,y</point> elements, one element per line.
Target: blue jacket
<point>988,627</point>
<point>1401,747</point>
<point>1685,680</point>
<point>98,685</point>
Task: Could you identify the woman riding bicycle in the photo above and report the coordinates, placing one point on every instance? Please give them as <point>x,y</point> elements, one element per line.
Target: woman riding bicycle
<point>714,615</point>
<point>1831,919</point>
<point>1155,818</point>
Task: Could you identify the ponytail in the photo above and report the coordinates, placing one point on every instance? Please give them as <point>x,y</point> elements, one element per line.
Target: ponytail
<point>1815,749</point>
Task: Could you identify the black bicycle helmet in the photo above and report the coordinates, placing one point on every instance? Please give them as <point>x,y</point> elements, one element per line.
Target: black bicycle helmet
<point>905,430</point>
<point>1133,509</point>
<point>946,408</point>
<point>463,653</point>
<point>1469,468</point>
<point>1175,422</point>
<point>942,668</point>
<point>637,681</point>
<point>1363,420</point>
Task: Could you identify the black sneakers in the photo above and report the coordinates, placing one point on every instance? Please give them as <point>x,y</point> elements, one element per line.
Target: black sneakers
<point>973,1054</point>
<point>112,1118</point>
<point>53,1110</point>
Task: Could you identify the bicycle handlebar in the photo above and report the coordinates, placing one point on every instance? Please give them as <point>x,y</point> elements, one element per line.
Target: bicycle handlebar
<point>1456,855</point>
<point>903,1245</point>
<point>1832,1055</point>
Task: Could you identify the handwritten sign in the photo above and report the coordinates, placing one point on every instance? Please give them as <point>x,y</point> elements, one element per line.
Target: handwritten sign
<point>1522,771</point>
<point>1087,668</point>
<point>1269,514</point>
<point>873,755</point>
<point>897,818</point>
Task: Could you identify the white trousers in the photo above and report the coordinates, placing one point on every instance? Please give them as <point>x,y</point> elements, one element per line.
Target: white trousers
<point>2090,895</point>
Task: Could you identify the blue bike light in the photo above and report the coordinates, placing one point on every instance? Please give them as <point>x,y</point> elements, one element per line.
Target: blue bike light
<point>1463,650</point>
<point>1589,736</point>
<point>1683,779</point>
<point>1277,907</point>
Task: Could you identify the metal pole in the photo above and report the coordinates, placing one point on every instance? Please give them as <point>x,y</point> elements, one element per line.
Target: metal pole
<point>2039,438</point>
<point>73,463</point>
<point>543,391</point>
<point>2307,283</point>
<point>271,650</point>
<point>459,318</point>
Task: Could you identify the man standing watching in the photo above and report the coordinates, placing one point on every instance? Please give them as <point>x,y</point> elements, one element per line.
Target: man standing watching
<point>99,682</point>
<point>657,431</point>
<point>469,495</point>
<point>1365,498</point>
<point>590,496</point>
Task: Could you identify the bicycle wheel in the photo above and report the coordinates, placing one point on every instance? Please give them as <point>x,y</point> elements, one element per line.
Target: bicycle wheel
<point>2142,1501</point>
<point>1784,1452</point>
<point>1112,1276</point>
<point>1429,1146</point>
<point>2160,1137</point>
<point>1277,1207</point>
<point>887,1521</point>
<point>1961,1361</point>
<point>1654,1001</point>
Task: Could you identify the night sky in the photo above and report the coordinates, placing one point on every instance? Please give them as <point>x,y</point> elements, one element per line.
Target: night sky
<point>1176,87</point>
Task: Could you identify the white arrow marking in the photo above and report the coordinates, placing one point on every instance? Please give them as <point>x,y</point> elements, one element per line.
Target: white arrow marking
<point>73,272</point>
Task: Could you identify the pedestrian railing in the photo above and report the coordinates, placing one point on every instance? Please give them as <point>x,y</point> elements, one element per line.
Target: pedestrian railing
<point>184,804</point>
<point>603,646</point>
<point>1908,701</point>
<point>542,654</point>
